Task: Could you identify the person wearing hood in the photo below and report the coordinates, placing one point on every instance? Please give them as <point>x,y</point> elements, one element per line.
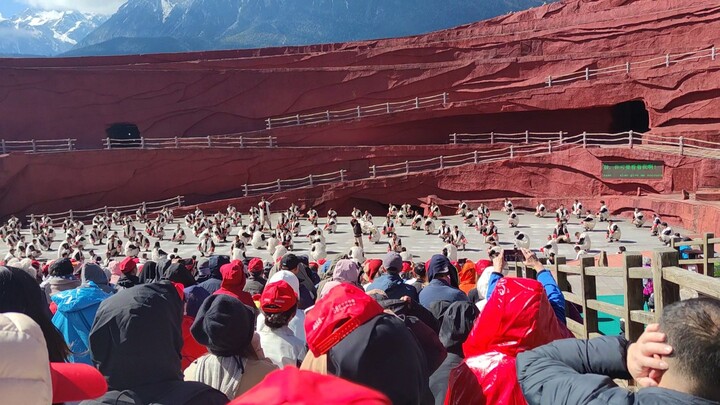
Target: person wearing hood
<point>179,273</point>
<point>96,274</point>
<point>60,278</point>
<point>203,270</point>
<point>467,276</point>
<point>76,312</point>
<point>191,350</point>
<point>279,304</point>
<point>129,277</point>
<point>345,271</point>
<point>457,322</point>
<point>150,272</point>
<point>233,283</point>
<point>474,294</point>
<point>390,282</point>
<point>544,276</point>
<point>233,365</point>
<point>440,287</point>
<point>20,293</point>
<point>517,317</point>
<point>255,282</point>
<point>297,323</point>
<point>215,263</point>
<point>136,343</point>
<point>350,336</point>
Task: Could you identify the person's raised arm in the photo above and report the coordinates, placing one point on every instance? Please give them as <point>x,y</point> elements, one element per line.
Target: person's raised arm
<point>545,277</point>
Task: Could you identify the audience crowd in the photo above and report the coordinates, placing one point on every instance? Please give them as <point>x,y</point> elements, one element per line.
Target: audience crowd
<point>234,329</point>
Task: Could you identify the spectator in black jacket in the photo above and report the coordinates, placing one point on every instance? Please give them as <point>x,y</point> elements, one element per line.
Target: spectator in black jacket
<point>256,282</point>
<point>675,362</point>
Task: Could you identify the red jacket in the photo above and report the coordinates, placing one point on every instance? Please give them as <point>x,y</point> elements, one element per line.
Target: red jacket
<point>191,349</point>
<point>233,282</point>
<point>517,317</point>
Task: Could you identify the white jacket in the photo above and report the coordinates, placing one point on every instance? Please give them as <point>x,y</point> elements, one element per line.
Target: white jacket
<point>24,363</point>
<point>281,346</point>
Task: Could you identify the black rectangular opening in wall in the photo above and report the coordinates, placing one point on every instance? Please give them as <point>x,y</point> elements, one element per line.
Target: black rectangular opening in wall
<point>630,116</point>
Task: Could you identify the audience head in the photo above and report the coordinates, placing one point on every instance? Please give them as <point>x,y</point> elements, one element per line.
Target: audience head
<point>278,302</point>
<point>692,328</point>
<point>439,267</point>
<point>224,325</point>
<point>61,268</point>
<point>290,262</point>
<point>20,293</point>
<point>392,262</point>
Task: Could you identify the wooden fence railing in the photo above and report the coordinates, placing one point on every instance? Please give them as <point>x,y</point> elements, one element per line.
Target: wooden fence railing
<point>213,141</point>
<point>358,112</point>
<point>667,278</point>
<point>86,215</point>
<point>37,146</point>
<point>701,253</point>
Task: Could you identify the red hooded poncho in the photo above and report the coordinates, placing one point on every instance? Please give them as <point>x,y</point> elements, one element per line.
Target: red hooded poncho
<point>233,282</point>
<point>517,317</point>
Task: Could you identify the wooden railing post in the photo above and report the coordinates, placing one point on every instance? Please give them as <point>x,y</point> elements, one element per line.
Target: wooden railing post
<point>209,141</point>
<point>142,142</point>
<point>549,146</point>
<point>633,295</point>
<point>297,119</point>
<point>587,73</point>
<point>245,189</point>
<point>475,157</point>
<point>270,141</point>
<point>492,138</point>
<point>407,167</point>
<point>627,67</point>
<point>179,201</point>
<point>630,139</point>
<point>681,145</point>
<point>310,180</point>
<point>70,144</point>
<point>342,175</point>
<point>417,102</point>
<point>708,253</point>
<point>665,292</point>
<point>241,142</point>
<point>70,214</point>
<point>712,53</point>
<point>549,81</point>
<point>445,95</point>
<point>269,123</point>
<point>588,291</point>
<point>109,143</point>
<point>512,153</point>
<point>441,162</point>
<point>527,136</point>
<point>34,147</point>
<point>2,146</point>
<point>667,60</point>
<point>584,139</point>
<point>454,138</point>
<point>359,112</point>
<point>373,171</point>
<point>387,107</point>
<point>279,185</point>
<point>561,137</point>
<point>327,115</point>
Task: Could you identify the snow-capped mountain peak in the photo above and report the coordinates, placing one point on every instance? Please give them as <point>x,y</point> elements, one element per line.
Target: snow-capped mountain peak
<point>45,32</point>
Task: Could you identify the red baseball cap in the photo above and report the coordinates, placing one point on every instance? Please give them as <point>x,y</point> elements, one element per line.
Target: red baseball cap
<point>73,382</point>
<point>255,265</point>
<point>277,297</point>
<point>128,265</point>
<point>301,387</point>
<point>336,315</point>
<point>407,267</point>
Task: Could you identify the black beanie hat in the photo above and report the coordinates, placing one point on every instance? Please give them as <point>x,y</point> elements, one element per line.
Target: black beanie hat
<point>61,267</point>
<point>224,325</point>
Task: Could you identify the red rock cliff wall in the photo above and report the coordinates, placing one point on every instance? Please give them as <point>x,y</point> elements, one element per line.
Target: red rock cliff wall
<point>488,67</point>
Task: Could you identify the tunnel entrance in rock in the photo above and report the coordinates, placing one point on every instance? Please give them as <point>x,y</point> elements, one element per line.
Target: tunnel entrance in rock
<point>630,116</point>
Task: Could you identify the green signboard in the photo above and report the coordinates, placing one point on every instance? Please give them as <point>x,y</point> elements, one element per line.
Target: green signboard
<point>632,170</point>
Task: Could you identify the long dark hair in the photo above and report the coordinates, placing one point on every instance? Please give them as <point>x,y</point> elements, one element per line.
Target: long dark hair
<point>20,293</point>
